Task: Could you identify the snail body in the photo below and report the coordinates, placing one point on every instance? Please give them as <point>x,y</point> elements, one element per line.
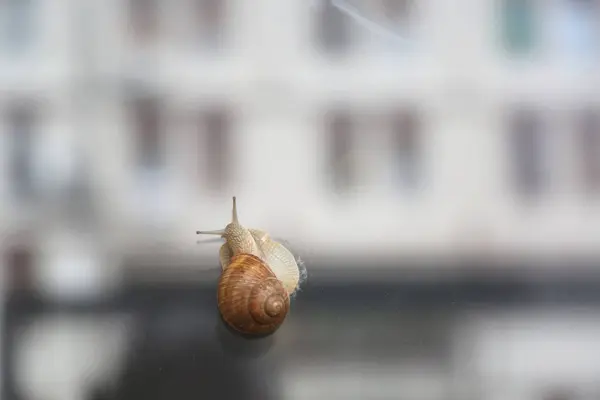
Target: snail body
<point>258,277</point>
<point>281,261</point>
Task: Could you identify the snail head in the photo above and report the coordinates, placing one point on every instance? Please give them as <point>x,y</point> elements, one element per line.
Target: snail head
<point>231,230</point>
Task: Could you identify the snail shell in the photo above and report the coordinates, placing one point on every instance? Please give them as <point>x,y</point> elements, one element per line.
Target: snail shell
<point>250,298</point>
<point>281,261</point>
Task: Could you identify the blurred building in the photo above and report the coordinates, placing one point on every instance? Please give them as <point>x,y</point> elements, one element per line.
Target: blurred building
<point>450,131</point>
<point>371,130</point>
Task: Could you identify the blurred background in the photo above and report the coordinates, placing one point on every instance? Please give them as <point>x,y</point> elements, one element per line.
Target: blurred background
<point>435,164</point>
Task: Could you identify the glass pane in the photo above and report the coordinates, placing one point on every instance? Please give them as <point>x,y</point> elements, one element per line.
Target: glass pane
<point>579,28</point>
<point>518,25</point>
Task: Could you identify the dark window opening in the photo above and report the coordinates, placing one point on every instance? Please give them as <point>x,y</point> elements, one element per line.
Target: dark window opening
<point>518,25</point>
<point>398,13</point>
<point>211,22</point>
<point>559,394</point>
<point>333,30</point>
<point>21,124</point>
<point>20,264</point>
<point>340,131</point>
<point>143,20</point>
<point>215,148</point>
<point>589,150</point>
<point>526,148</point>
<point>147,131</point>
<point>18,23</point>
<point>407,146</point>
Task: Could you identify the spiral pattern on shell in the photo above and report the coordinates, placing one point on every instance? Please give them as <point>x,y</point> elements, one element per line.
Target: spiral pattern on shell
<point>251,299</point>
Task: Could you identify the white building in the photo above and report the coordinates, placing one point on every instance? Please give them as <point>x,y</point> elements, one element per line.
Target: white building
<point>167,112</point>
<point>259,72</point>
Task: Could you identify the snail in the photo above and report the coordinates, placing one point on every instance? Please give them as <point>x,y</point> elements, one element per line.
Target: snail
<point>259,275</point>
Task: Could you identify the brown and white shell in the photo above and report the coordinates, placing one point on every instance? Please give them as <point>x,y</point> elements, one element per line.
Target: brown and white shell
<point>250,298</point>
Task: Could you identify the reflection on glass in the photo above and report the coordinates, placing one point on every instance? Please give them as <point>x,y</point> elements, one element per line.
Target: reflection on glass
<point>518,26</point>
<point>333,30</point>
<point>383,25</point>
<point>579,28</point>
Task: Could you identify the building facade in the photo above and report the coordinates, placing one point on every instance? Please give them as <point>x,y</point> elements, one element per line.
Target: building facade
<point>410,140</point>
<point>349,128</point>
